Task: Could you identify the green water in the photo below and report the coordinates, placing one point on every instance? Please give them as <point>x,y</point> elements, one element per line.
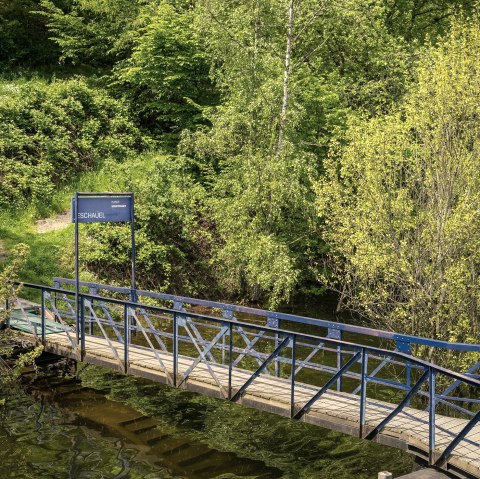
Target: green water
<point>123,427</point>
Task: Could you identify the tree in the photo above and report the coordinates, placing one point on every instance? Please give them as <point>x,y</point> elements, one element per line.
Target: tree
<point>50,132</point>
<point>287,72</point>
<point>96,33</point>
<point>173,238</point>
<point>24,36</point>
<point>424,20</point>
<point>401,202</point>
<point>166,79</point>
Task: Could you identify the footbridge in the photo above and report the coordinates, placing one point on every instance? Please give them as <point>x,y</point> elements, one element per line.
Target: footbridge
<point>365,382</point>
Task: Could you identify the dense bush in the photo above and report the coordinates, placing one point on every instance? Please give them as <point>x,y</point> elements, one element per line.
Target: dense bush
<point>49,132</point>
<point>173,233</point>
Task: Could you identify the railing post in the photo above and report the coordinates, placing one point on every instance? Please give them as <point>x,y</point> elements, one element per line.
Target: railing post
<point>230,359</point>
<point>227,314</point>
<point>43,315</point>
<point>7,307</point>
<point>175,348</point>
<point>363,391</point>
<point>431,415</point>
<point>273,322</point>
<point>339,362</point>
<point>408,378</point>
<point>82,326</point>
<point>93,291</point>
<point>292,384</point>
<point>126,327</point>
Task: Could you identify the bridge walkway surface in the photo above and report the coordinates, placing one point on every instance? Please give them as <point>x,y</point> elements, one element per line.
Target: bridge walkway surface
<point>222,357</point>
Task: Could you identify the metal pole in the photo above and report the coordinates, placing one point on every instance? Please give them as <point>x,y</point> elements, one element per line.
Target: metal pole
<point>363,392</point>
<point>339,362</point>
<point>82,326</point>
<point>77,275</point>
<point>292,384</point>
<point>43,316</point>
<point>132,228</point>
<point>133,293</point>
<point>175,348</point>
<point>431,415</point>
<point>230,359</point>
<point>408,378</point>
<point>125,338</point>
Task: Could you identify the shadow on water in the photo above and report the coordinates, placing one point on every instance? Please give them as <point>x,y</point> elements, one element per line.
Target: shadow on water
<point>118,427</point>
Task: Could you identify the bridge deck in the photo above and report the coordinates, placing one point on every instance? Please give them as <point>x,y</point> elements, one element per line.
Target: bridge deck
<point>334,410</point>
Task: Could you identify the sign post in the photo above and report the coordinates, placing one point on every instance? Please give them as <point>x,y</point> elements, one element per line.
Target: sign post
<point>102,208</point>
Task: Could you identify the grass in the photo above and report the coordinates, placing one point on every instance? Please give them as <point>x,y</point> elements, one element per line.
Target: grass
<point>51,254</point>
<point>47,251</point>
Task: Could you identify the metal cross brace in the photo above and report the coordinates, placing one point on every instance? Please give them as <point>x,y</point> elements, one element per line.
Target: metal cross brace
<point>156,333</point>
<point>34,328</point>
<point>201,358</point>
<point>249,347</point>
<point>312,353</point>
<point>89,305</point>
<point>111,322</point>
<point>59,316</point>
<point>327,386</point>
<point>155,351</point>
<point>374,372</point>
<point>403,403</point>
<point>183,320</point>
<point>264,365</point>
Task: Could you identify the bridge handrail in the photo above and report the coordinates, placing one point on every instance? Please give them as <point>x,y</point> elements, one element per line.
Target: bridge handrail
<point>468,347</point>
<point>330,341</point>
<point>284,338</point>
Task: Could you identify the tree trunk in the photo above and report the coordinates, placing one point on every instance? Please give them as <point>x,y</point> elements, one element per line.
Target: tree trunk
<point>286,80</point>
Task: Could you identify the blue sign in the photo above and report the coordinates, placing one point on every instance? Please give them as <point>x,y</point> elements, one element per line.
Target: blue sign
<point>102,209</point>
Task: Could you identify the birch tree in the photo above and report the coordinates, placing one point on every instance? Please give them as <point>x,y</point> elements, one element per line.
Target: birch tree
<point>285,70</point>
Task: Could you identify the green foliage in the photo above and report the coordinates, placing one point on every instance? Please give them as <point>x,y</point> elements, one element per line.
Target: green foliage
<point>401,202</point>
<point>23,35</point>
<point>9,274</point>
<point>275,123</point>
<point>260,100</point>
<point>420,20</point>
<point>172,231</point>
<point>89,32</point>
<point>50,132</point>
<point>166,78</point>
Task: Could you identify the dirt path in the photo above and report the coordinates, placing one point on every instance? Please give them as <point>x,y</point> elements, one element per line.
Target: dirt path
<point>52,224</point>
<point>3,251</point>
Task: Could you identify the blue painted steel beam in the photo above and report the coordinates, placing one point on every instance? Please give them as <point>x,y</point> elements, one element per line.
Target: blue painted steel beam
<point>334,343</point>
<point>327,386</point>
<point>363,391</point>
<point>270,358</point>
<point>371,435</point>
<point>460,436</point>
<point>431,414</point>
<point>400,339</point>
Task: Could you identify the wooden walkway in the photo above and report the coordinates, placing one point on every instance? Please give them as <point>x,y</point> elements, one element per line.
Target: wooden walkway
<point>334,410</point>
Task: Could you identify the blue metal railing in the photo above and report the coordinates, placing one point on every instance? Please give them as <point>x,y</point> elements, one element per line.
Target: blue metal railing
<point>161,329</point>
<point>401,342</point>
